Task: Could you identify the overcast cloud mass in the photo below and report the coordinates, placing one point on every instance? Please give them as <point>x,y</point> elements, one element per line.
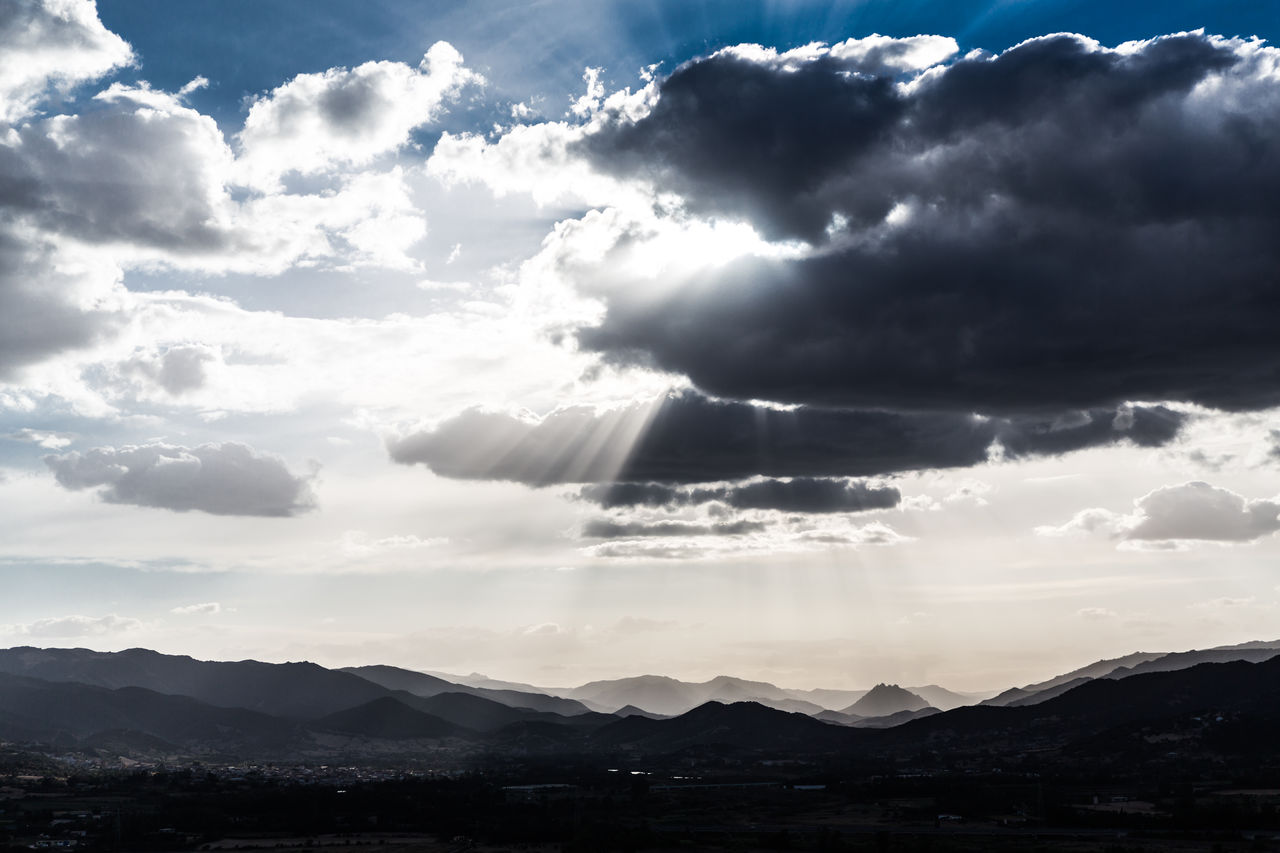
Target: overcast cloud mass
<point>1062,225</point>
<point>832,343</point>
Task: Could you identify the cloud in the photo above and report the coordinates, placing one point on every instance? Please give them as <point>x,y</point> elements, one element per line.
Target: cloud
<point>608,529</point>
<point>139,170</point>
<point>345,117</point>
<point>1060,227</point>
<point>76,626</point>
<point>178,369</point>
<point>222,479</point>
<point>544,629</point>
<point>719,532</point>
<point>799,494</point>
<point>47,439</point>
<point>1167,517</point>
<point>688,438</point>
<point>49,301</point>
<point>875,533</point>
<point>357,543</point>
<point>879,54</point>
<point>49,46</point>
<point>207,608</point>
<point>1201,511</point>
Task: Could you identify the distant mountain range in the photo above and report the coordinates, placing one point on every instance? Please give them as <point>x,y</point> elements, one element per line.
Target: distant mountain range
<point>145,704</point>
<point>1134,664</point>
<point>885,699</point>
<point>421,684</point>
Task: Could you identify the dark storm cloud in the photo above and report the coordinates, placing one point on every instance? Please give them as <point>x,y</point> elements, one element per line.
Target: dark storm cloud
<point>221,479</point>
<point>689,438</point>
<point>732,135</point>
<point>1060,227</point>
<point>607,529</point>
<point>800,494</point>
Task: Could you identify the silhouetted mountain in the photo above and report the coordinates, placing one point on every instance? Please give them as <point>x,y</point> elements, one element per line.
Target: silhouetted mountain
<point>421,684</point>
<point>633,711</point>
<point>795,706</point>
<point>302,690</point>
<point>826,698</point>
<point>476,679</point>
<point>1046,694</point>
<point>390,718</point>
<point>944,699</point>
<point>837,717</point>
<point>655,693</point>
<point>1008,697</point>
<point>890,720</point>
<point>1098,705</point>
<point>1183,660</point>
<point>38,710</point>
<point>669,696</point>
<point>1136,663</point>
<point>1218,706</point>
<point>728,687</point>
<point>484,715</point>
<point>408,680</point>
<point>1098,669</point>
<point>675,696</point>
<point>885,699</point>
<point>742,725</point>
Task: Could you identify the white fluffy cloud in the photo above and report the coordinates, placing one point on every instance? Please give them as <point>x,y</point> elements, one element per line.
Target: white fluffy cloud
<point>75,626</point>
<point>1189,512</point>
<point>204,608</point>
<point>49,46</point>
<point>222,479</point>
<point>346,116</point>
<point>137,179</point>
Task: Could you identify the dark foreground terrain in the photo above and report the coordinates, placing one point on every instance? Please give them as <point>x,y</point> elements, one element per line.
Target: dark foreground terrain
<point>144,752</point>
<point>706,799</point>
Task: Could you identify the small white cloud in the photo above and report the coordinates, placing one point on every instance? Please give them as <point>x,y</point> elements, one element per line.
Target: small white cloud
<point>47,440</point>
<point>1225,602</point>
<point>357,543</point>
<point>432,286</point>
<point>207,608</point>
<point>1092,520</point>
<point>590,100</point>
<point>195,84</point>
<point>919,503</point>
<point>972,492</point>
<point>75,626</point>
<point>1096,613</point>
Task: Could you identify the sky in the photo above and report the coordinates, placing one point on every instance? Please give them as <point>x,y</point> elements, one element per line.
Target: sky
<point>820,343</point>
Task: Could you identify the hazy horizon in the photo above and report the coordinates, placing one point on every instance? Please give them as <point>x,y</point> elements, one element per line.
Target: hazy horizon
<point>823,344</point>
